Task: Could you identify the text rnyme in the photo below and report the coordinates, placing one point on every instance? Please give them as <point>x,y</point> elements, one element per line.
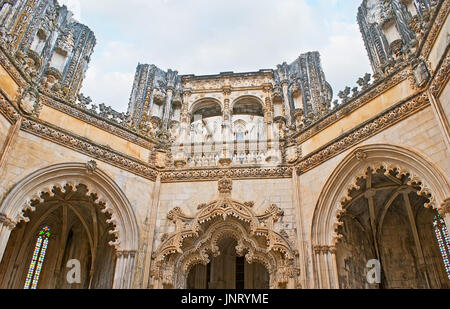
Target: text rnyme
<point>228,299</point>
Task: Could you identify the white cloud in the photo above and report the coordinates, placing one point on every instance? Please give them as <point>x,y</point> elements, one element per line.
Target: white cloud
<point>207,37</point>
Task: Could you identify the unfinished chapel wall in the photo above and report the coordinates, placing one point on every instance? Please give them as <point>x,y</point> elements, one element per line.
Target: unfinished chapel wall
<point>258,177</point>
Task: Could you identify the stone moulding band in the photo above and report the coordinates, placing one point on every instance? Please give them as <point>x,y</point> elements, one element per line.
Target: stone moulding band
<point>91,149</point>
<point>7,109</point>
<point>217,173</point>
<point>365,131</point>
<point>442,75</point>
<point>369,94</point>
<point>8,63</point>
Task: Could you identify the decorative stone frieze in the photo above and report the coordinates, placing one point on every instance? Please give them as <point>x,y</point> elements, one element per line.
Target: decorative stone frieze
<point>388,118</point>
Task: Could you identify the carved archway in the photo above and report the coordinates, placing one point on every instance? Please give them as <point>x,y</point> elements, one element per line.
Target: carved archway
<point>196,239</point>
<point>61,177</point>
<point>414,172</point>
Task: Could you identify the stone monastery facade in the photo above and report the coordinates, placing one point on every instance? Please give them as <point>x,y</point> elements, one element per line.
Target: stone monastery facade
<point>236,180</point>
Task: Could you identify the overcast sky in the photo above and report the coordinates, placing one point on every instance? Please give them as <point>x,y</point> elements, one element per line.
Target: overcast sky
<point>212,36</point>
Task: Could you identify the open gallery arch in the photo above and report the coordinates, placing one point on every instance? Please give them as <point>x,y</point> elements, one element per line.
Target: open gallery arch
<point>225,246</point>
<point>61,214</point>
<point>382,203</point>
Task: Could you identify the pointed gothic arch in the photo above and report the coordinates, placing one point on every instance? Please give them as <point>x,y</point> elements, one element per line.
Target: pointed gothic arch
<point>37,187</point>
<point>418,175</point>
<point>195,240</point>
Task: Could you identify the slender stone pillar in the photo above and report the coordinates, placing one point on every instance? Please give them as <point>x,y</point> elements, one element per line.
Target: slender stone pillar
<point>168,107</point>
<point>185,119</point>
<point>287,107</point>
<point>334,276</point>
<point>6,227</point>
<point>317,253</point>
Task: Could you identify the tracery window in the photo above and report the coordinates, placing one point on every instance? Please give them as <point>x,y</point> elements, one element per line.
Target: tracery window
<point>38,258</point>
<point>444,241</point>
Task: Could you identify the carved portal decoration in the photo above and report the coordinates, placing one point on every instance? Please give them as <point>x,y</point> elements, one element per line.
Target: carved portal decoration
<point>195,241</point>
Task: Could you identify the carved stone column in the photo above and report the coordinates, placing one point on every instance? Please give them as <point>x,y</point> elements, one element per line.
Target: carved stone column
<point>168,107</point>
<point>301,243</point>
<point>268,116</point>
<point>185,117</point>
<point>334,276</point>
<point>6,227</point>
<point>326,267</point>
<point>151,221</point>
<point>124,274</point>
<point>227,133</point>
<point>227,112</point>
<point>317,253</point>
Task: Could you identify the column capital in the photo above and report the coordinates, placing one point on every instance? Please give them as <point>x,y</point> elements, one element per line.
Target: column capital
<point>126,253</point>
<point>284,83</point>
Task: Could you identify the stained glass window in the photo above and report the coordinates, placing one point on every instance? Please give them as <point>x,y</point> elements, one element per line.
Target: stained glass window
<point>444,241</point>
<point>37,261</point>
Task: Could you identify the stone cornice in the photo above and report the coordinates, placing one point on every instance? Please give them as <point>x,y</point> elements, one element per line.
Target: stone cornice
<point>362,99</point>
<point>436,23</point>
<point>89,148</point>
<point>97,122</point>
<point>227,75</point>
<point>366,130</point>
<point>213,174</point>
